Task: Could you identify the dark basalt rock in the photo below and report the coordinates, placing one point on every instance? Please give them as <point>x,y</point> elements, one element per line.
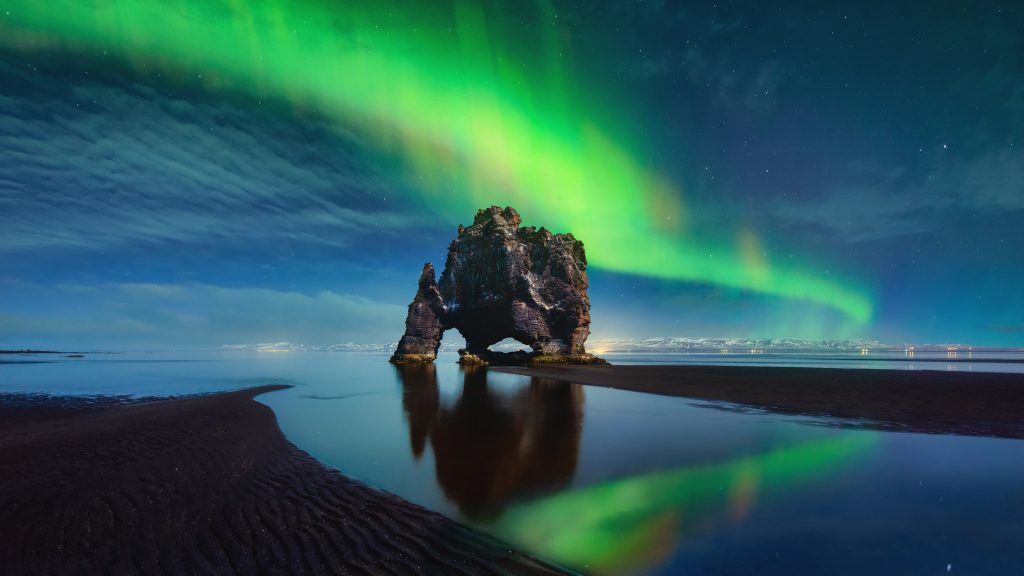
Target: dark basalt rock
<point>502,281</point>
<point>523,358</point>
<point>424,323</point>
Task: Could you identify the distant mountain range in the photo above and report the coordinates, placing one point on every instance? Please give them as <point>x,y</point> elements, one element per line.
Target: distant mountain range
<point>675,344</point>
<point>687,344</point>
<point>298,347</point>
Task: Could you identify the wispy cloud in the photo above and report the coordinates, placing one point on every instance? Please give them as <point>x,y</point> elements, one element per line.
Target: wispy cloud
<point>1007,328</point>
<point>884,203</point>
<point>131,315</point>
<point>100,166</point>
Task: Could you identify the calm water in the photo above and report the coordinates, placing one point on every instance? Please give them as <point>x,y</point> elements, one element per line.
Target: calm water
<point>618,481</point>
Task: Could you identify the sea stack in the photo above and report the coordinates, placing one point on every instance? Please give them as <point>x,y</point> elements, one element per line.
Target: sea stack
<point>503,281</point>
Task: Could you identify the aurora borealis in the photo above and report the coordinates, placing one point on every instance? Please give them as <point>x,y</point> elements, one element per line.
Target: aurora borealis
<point>209,159</point>
<point>621,525</point>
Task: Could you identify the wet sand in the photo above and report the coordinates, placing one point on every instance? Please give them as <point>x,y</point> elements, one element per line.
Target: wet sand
<point>925,401</point>
<point>205,485</point>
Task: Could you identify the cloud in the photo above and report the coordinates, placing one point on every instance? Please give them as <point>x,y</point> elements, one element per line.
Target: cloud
<point>882,203</point>
<point>1007,328</point>
<point>993,181</point>
<point>975,167</point>
<point>754,86</point>
<point>704,52</point>
<point>139,315</point>
<point>96,166</point>
<point>726,80</point>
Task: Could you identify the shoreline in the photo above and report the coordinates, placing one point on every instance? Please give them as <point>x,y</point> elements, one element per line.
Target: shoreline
<point>206,484</point>
<point>923,401</point>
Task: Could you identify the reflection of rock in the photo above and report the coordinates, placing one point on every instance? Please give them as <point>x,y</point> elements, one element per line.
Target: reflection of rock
<point>502,281</point>
<point>421,400</point>
<point>490,448</point>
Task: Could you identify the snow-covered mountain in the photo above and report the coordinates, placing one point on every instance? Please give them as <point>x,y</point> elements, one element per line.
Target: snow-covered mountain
<point>689,343</point>
<point>665,345</point>
<point>387,347</point>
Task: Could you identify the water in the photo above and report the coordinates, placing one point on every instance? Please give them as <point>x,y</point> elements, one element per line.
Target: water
<point>617,481</point>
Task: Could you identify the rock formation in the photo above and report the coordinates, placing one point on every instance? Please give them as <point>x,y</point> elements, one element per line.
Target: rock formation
<point>502,281</point>
<point>424,323</point>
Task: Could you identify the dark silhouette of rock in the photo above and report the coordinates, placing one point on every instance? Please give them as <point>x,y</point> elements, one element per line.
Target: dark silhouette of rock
<point>492,448</point>
<point>421,400</point>
<point>502,281</point>
<point>423,324</point>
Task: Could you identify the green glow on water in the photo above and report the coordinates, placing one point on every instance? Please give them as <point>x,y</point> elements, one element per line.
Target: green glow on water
<point>476,113</point>
<point>626,524</point>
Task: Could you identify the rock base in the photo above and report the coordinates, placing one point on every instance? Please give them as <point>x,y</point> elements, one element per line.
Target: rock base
<point>577,359</point>
<point>488,358</point>
<point>405,359</point>
<point>467,359</point>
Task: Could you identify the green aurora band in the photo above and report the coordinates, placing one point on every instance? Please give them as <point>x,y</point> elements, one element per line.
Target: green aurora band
<point>469,103</point>
<point>625,524</point>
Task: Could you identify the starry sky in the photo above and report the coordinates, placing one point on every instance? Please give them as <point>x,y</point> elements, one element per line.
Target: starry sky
<point>186,173</point>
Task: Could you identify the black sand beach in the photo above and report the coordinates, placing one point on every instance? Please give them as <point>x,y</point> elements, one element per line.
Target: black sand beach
<point>927,401</point>
<point>205,485</point>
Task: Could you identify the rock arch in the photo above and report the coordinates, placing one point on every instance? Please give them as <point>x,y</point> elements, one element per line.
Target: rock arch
<point>502,281</point>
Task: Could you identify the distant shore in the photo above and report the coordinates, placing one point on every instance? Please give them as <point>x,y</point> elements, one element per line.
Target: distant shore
<point>933,402</point>
<point>27,351</point>
<point>205,484</point>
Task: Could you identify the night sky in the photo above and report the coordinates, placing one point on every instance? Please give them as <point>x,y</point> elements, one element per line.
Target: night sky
<point>191,173</point>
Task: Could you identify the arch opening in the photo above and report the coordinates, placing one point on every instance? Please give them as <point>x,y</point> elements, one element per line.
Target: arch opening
<point>509,345</point>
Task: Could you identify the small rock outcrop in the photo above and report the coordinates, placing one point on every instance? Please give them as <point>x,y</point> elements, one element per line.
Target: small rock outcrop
<point>503,281</point>
<point>424,323</point>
